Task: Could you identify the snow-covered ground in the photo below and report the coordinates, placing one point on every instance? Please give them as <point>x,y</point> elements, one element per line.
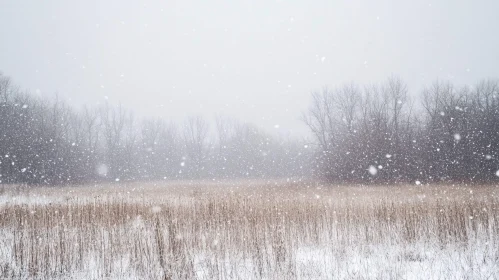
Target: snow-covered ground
<point>242,231</point>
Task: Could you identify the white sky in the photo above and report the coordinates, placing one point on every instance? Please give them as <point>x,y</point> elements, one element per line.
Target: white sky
<point>255,60</point>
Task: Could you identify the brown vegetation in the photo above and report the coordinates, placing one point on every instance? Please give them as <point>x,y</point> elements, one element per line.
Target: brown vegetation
<point>248,230</point>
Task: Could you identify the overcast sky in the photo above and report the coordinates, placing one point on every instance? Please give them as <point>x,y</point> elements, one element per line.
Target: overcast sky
<point>255,60</point>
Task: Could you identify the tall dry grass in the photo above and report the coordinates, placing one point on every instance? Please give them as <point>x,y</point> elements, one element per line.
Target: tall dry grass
<point>249,230</point>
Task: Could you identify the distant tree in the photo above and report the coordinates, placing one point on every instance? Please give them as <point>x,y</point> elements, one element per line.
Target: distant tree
<point>195,137</point>
<point>374,136</point>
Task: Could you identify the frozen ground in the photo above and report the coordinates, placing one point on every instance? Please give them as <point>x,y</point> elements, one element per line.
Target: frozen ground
<point>249,230</point>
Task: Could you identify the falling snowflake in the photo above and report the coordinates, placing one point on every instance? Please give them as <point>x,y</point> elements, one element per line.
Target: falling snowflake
<point>102,170</point>
<point>372,170</point>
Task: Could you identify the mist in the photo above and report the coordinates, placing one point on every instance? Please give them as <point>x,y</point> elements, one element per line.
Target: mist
<point>279,139</point>
<point>256,61</point>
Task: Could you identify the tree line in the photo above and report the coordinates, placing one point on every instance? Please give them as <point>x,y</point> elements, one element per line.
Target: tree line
<point>379,134</point>
<point>45,141</point>
<point>370,134</point>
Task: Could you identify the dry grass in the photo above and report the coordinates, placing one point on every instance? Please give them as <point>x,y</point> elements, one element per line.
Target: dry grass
<point>249,230</point>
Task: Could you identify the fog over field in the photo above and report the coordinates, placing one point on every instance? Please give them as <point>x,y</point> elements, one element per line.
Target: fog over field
<point>249,139</point>
<point>254,60</point>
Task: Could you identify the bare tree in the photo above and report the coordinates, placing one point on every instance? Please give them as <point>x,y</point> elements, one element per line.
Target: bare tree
<point>195,136</point>
<point>113,121</point>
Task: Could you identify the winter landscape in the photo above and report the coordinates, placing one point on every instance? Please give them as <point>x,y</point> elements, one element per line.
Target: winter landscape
<point>249,139</point>
<point>249,230</point>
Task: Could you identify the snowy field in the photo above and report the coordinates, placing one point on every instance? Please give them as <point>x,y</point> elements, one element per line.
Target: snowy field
<point>249,230</point>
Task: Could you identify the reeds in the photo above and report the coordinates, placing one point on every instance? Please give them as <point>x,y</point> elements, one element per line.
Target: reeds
<point>292,232</point>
